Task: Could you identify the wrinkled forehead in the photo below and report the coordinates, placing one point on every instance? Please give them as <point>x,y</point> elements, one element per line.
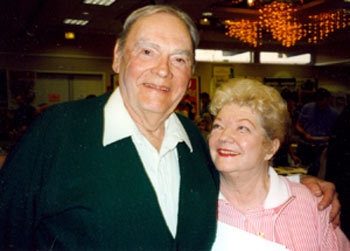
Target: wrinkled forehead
<point>162,24</point>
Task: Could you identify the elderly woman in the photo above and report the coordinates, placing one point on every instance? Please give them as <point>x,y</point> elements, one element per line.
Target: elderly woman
<point>250,124</point>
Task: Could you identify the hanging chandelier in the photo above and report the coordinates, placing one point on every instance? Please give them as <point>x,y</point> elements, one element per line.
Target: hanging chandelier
<point>280,19</point>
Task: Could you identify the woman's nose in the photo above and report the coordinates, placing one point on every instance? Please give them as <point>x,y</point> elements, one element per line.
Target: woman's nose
<point>227,135</point>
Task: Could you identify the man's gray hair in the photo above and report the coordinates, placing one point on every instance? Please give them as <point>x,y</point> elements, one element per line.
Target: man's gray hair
<point>153,9</point>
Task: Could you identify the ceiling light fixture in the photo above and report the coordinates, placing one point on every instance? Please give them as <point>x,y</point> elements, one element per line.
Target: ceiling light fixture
<point>250,3</point>
<point>280,20</point>
<point>100,2</point>
<point>204,21</point>
<point>207,14</point>
<point>69,35</point>
<point>71,21</point>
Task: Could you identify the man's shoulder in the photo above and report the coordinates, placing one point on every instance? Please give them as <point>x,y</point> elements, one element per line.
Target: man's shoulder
<point>81,107</point>
<point>192,131</point>
<point>186,122</point>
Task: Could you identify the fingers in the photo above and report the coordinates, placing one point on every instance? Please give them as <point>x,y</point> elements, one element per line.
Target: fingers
<point>312,184</point>
<point>336,221</point>
<point>334,216</point>
<point>329,195</point>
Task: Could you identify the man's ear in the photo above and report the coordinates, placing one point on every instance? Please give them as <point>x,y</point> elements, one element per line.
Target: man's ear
<point>189,84</point>
<point>275,145</point>
<point>116,57</point>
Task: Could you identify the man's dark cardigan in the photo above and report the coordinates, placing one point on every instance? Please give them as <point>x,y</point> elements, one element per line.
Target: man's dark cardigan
<point>61,189</point>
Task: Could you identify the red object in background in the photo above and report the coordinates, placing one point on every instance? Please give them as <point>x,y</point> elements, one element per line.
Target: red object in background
<point>192,94</point>
<point>54,97</point>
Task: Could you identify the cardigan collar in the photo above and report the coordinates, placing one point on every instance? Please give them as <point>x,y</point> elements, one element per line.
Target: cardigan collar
<point>118,123</point>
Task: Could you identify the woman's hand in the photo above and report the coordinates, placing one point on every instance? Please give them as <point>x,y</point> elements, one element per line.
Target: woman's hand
<point>320,187</point>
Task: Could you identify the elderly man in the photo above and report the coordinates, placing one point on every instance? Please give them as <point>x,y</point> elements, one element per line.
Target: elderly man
<point>120,171</point>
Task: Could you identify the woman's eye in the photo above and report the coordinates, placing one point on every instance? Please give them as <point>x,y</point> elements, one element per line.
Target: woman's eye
<point>243,129</point>
<point>215,126</point>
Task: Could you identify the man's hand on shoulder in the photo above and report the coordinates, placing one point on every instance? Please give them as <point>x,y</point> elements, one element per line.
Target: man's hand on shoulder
<point>320,187</point>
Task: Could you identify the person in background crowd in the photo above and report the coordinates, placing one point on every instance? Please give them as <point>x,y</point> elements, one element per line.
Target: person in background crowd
<point>205,101</point>
<point>90,96</point>
<point>121,171</point>
<point>204,125</point>
<point>337,169</point>
<point>250,124</point>
<point>189,107</point>
<point>182,109</point>
<point>285,155</point>
<point>314,125</point>
<point>23,116</point>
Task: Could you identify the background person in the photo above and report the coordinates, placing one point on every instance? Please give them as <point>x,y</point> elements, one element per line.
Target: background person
<point>23,115</point>
<point>205,101</point>
<point>250,124</point>
<point>315,124</point>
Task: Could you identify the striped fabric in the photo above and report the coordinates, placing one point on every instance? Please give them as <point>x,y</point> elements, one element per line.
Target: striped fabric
<point>296,224</point>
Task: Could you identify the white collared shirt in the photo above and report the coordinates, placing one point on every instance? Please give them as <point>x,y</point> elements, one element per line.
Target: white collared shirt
<point>161,167</point>
<point>278,191</point>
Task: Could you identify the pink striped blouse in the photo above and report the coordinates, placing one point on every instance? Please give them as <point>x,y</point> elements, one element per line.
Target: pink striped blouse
<point>289,217</point>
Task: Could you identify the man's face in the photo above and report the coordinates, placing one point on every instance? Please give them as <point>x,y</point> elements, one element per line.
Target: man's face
<point>155,68</point>
<point>322,103</point>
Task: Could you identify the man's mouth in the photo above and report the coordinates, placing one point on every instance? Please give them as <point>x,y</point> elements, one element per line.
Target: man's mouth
<point>161,88</point>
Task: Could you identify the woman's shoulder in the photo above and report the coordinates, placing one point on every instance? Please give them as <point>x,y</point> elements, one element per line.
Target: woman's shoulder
<point>302,193</point>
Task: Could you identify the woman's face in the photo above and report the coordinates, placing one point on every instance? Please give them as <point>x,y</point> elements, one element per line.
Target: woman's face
<point>237,140</point>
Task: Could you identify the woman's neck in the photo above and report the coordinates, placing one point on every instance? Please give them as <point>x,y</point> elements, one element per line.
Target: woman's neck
<point>245,191</point>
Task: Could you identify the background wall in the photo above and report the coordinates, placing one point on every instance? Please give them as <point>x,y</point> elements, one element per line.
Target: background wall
<point>334,78</point>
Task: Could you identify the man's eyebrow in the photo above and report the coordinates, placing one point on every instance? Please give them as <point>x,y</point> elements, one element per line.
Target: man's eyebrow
<point>187,53</point>
<point>142,42</point>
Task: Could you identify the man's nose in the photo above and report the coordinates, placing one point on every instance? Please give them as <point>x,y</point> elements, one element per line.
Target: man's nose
<point>162,67</point>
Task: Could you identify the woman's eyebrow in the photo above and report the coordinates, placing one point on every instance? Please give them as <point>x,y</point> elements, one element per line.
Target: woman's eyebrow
<point>248,120</point>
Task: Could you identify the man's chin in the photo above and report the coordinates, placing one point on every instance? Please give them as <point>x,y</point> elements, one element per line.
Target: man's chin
<point>158,109</point>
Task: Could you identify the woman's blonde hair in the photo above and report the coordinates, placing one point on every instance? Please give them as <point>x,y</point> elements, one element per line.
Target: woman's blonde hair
<point>266,101</point>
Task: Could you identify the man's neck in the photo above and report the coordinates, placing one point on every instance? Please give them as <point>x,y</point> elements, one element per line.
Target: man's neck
<point>151,125</point>
<point>154,135</point>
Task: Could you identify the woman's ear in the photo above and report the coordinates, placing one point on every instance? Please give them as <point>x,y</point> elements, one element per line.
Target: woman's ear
<point>274,146</point>
<point>116,57</point>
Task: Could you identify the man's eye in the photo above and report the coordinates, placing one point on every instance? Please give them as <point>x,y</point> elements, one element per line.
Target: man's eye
<point>180,60</point>
<point>147,52</point>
